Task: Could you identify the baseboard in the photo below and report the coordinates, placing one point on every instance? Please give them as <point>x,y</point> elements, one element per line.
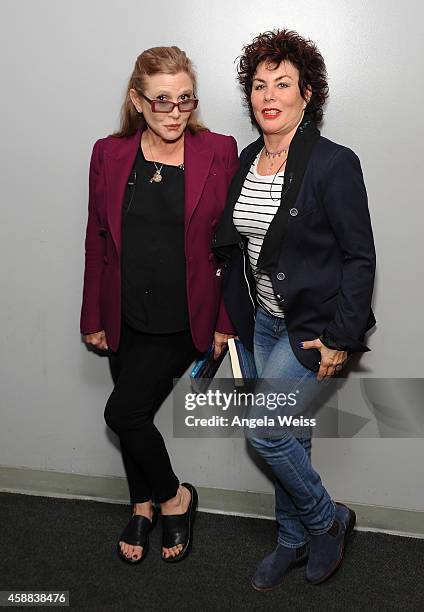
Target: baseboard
<point>113,489</point>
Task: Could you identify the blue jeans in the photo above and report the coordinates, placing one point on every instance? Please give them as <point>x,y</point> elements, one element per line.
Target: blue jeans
<point>302,504</point>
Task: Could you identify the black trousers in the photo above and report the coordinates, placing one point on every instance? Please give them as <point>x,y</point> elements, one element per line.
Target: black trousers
<point>142,370</point>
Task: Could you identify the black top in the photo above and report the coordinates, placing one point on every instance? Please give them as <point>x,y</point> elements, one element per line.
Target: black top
<point>154,297</point>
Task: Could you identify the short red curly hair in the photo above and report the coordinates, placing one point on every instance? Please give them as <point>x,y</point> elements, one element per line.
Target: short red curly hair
<point>275,46</point>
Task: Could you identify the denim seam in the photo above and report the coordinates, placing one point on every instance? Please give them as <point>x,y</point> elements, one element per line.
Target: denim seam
<point>300,381</point>
<point>330,524</point>
<point>294,468</point>
<point>287,545</point>
<point>306,488</point>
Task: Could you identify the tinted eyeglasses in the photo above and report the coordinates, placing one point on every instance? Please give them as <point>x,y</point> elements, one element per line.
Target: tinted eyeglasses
<point>166,106</point>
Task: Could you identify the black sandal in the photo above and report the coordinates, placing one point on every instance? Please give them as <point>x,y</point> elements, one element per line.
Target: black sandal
<point>178,528</point>
<point>136,533</point>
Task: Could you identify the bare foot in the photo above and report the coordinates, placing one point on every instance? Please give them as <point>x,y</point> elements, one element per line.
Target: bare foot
<point>176,505</point>
<point>135,552</point>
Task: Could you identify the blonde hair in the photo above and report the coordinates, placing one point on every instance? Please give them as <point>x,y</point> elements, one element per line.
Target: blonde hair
<point>165,60</point>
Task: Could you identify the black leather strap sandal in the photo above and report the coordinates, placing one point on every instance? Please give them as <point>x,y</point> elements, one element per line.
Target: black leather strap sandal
<point>178,528</point>
<point>136,533</point>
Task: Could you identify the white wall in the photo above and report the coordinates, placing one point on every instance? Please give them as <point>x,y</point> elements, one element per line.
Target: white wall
<point>64,69</point>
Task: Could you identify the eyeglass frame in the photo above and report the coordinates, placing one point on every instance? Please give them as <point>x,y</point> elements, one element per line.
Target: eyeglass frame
<point>152,104</point>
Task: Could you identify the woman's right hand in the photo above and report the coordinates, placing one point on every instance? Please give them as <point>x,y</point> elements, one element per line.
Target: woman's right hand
<point>98,339</point>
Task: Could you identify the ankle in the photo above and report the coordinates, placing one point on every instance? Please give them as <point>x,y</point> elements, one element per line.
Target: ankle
<point>143,508</point>
<point>175,502</point>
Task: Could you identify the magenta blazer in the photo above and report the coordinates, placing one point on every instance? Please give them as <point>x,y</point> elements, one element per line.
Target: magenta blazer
<point>210,161</point>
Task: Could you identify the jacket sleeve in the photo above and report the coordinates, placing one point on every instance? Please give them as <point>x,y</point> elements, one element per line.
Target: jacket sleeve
<point>223,323</point>
<point>94,252</point>
<point>346,206</point>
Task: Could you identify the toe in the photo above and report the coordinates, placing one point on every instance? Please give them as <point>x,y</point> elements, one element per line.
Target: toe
<point>174,551</point>
<point>136,552</point>
<point>131,552</point>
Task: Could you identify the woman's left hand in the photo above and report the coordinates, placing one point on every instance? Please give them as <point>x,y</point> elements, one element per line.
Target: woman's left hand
<point>220,341</point>
<point>332,361</point>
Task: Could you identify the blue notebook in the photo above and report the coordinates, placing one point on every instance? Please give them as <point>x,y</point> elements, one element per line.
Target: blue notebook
<point>242,362</point>
<point>204,370</point>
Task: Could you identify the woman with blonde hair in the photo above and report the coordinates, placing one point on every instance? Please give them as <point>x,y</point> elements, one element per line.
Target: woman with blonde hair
<point>157,190</point>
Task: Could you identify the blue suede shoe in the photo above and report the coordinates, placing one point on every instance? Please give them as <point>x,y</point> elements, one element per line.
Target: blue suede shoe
<point>326,550</point>
<point>271,570</point>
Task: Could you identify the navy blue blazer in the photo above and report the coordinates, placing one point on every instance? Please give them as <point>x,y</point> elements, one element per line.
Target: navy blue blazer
<point>326,264</point>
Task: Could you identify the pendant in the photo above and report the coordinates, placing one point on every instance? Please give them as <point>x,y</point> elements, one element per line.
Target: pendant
<point>157,177</point>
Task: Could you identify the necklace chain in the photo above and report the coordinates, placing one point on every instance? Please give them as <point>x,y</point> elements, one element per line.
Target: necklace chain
<point>271,161</point>
<point>273,154</point>
<point>157,176</point>
<point>273,179</point>
<point>275,175</point>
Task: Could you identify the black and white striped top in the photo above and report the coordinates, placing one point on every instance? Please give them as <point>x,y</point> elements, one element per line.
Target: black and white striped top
<point>255,209</point>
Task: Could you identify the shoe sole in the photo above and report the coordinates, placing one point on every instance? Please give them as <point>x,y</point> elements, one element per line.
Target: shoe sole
<point>349,529</point>
<point>275,586</point>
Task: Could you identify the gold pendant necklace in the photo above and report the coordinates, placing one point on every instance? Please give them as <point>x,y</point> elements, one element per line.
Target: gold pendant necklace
<point>157,177</point>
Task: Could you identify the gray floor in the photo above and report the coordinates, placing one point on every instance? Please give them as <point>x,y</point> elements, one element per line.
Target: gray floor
<point>66,544</point>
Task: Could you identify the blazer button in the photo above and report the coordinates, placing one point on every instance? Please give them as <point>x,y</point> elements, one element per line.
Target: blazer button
<point>281,276</point>
<point>214,223</point>
<point>293,212</point>
<point>211,256</point>
<point>105,259</point>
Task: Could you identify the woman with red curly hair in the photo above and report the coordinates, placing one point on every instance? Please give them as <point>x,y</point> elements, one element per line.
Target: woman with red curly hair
<point>298,279</point>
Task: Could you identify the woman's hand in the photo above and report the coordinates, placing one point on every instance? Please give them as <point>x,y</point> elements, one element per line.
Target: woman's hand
<point>219,342</point>
<point>98,339</point>
<point>331,361</point>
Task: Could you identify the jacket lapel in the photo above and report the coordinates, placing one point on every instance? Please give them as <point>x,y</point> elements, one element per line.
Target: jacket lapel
<point>119,159</point>
<point>197,163</point>
<point>301,147</point>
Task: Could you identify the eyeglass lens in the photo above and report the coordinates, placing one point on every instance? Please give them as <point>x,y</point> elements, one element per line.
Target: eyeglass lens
<point>163,106</point>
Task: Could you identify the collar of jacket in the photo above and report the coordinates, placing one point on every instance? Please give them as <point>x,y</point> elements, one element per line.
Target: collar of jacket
<point>300,151</point>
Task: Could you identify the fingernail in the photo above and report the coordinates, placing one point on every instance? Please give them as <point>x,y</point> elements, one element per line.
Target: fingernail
<point>300,344</point>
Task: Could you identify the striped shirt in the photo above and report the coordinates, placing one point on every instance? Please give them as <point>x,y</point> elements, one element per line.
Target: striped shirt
<point>256,207</point>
